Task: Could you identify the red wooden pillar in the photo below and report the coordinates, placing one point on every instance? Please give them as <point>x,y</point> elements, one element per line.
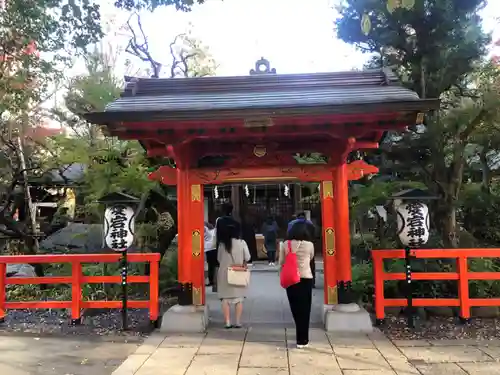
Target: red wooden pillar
<point>329,266</point>
<point>342,236</point>
<point>184,236</point>
<point>3,276</point>
<point>196,230</point>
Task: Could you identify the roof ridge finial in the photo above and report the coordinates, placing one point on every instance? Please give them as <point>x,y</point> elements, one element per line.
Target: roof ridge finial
<point>262,66</point>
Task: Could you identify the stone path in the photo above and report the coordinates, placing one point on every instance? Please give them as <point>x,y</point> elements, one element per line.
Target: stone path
<point>271,351</point>
<point>267,346</point>
<point>266,303</point>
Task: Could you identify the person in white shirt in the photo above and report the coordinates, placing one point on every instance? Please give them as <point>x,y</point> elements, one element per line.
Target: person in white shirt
<point>210,252</point>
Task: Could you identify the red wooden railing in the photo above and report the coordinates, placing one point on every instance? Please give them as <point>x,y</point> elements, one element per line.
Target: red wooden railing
<point>462,275</point>
<point>77,279</point>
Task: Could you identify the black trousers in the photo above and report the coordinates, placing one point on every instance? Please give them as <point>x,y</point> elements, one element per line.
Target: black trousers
<point>313,270</point>
<point>271,253</point>
<point>212,265</point>
<point>300,299</point>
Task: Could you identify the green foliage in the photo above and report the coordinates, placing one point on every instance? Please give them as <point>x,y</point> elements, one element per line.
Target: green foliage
<point>191,58</point>
<point>183,5</point>
<point>363,243</point>
<point>91,92</point>
<point>312,158</point>
<point>125,169</point>
<point>363,287</point>
<point>63,29</point>
<point>432,45</point>
<point>484,288</point>
<point>61,26</point>
<point>364,197</point>
<point>111,165</point>
<point>168,269</point>
<point>362,282</point>
<point>438,49</point>
<point>479,211</point>
<point>90,292</point>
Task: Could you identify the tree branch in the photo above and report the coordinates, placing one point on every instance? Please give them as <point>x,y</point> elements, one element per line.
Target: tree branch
<point>141,50</point>
<point>472,125</point>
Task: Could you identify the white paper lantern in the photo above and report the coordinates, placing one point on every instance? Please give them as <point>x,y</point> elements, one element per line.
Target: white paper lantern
<point>119,227</point>
<point>413,223</point>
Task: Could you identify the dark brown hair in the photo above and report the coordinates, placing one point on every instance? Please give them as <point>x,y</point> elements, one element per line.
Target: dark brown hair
<point>299,232</point>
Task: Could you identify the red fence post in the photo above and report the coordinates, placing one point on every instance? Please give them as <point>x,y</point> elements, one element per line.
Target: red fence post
<point>154,277</point>
<point>378,270</point>
<point>76,292</point>
<point>463,288</point>
<point>3,275</point>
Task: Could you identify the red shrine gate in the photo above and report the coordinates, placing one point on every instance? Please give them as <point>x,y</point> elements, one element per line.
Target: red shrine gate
<point>240,129</point>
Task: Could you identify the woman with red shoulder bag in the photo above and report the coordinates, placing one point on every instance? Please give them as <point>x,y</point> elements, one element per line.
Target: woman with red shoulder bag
<point>296,277</point>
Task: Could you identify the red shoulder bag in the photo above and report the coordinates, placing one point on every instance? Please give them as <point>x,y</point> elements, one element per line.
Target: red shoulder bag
<point>290,274</point>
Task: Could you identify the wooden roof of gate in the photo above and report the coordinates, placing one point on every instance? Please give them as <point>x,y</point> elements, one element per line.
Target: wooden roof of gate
<point>259,95</point>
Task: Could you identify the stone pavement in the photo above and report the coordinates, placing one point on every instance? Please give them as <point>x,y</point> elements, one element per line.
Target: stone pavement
<point>266,302</point>
<point>267,346</point>
<point>271,351</point>
<point>56,355</point>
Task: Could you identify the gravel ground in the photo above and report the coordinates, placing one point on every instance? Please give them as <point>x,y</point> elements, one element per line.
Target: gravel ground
<point>436,328</point>
<point>57,322</point>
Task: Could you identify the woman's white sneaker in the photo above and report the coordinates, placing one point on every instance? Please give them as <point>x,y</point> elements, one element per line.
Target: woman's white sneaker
<point>302,346</point>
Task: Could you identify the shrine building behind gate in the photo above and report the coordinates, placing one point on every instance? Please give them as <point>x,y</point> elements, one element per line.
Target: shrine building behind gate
<point>217,130</point>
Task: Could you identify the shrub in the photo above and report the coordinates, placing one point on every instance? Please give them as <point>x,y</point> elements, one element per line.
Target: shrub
<point>168,269</point>
<point>479,213</point>
<point>362,282</point>
<point>484,288</point>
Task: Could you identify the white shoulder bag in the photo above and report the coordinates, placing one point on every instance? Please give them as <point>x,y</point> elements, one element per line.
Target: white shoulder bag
<point>238,275</point>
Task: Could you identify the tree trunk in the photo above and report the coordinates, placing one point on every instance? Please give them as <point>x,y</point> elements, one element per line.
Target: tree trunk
<point>450,232</point>
<point>446,223</point>
<point>485,170</point>
<point>31,242</point>
<point>450,185</point>
<point>31,208</point>
<point>354,227</point>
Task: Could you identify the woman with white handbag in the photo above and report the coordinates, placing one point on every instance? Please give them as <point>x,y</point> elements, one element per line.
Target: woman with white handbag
<point>233,276</point>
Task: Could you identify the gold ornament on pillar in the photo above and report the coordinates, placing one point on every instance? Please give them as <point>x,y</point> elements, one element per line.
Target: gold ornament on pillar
<point>197,296</point>
<point>327,189</point>
<point>196,243</point>
<point>196,193</point>
<point>332,295</point>
<point>330,241</point>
